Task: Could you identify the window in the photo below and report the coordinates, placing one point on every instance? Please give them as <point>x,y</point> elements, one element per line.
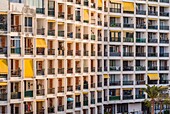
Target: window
<point>28,21</point>
<point>15,41</point>
<point>122,108</point>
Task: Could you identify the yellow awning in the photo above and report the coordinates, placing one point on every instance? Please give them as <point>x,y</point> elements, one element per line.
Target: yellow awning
<point>3,83</point>
<point>86,14</point>
<point>115,1</point>
<point>106,76</point>
<point>40,100</point>
<point>52,21</point>
<point>164,87</point>
<point>127,88</point>
<point>99,3</point>
<point>128,6</point>
<point>77,93</point>
<point>3,13</point>
<point>85,92</point>
<point>60,23</point>
<point>3,66</point>
<point>28,68</point>
<point>41,43</point>
<point>154,76</point>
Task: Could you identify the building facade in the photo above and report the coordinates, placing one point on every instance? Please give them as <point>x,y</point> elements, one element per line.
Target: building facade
<point>81,56</point>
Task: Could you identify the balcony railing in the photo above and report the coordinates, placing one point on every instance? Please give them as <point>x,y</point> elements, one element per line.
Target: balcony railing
<point>152,54</point>
<point>3,50</point>
<point>152,67</point>
<point>140,40</point>
<point>163,67</point>
<point>78,69</point>
<point>128,68</point>
<point>153,0</point>
<point>78,35</point>
<point>92,101</point>
<point>28,93</point>
<point>93,69</point>
<point>141,54</point>
<point>140,96</point>
<point>140,26</point>
<point>152,27</point>
<point>40,51</point>
<point>93,37</point>
<point>164,27</point>
<point>163,54</point>
<point>127,82</point>
<point>78,87</point>
<point>61,52</point>
<point>51,109</point>
<point>61,89</point>
<point>126,39</point>
<point>93,85</point>
<point>15,73</point>
<point>40,10</point>
<point>40,71</point>
<point>28,29</point>
<point>69,34</point>
<point>152,13</point>
<point>78,104</point>
<point>126,25</point>
<point>69,88</point>
<point>3,96</point>
<point>69,105</point>
<point>51,51</point>
<point>70,52</point>
<point>51,32</point>
<point>15,95</point>
<point>86,53</point>
<point>140,68</point>
<point>114,83</point>
<point>115,39</point>
<point>3,27</point>
<point>128,54</point>
<point>61,33</point>
<point>69,70</point>
<point>85,103</point>
<point>78,18</point>
<point>115,10</point>
<point>15,50</point>
<point>99,53</point>
<point>163,81</point>
<point>40,92</point>
<point>85,86</point>
<point>166,14</point>
<point>41,31</point>
<point>115,68</point>
<point>141,12</point>
<point>15,28</point>
<point>99,100</point>
<point>85,36</point>
<point>115,24</point>
<point>85,69</point>
<point>99,69</point>
<point>28,51</point>
<point>70,16</point>
<point>164,1</point>
<point>127,97</point>
<point>51,12</point>
<point>140,82</point>
<point>86,2</point>
<point>113,98</point>
<point>60,70</point>
<point>51,91</point>
<point>78,52</point>
<point>99,84</point>
<point>60,108</point>
<point>61,15</point>
<point>164,40</point>
<point>40,111</point>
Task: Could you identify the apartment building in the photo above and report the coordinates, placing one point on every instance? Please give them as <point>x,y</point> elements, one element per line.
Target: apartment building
<point>81,56</point>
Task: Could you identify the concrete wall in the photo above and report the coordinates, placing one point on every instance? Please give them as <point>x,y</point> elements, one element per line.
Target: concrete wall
<point>3,5</point>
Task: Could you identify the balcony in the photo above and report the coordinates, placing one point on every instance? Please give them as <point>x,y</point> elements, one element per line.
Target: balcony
<point>92,85</point>
<point>3,50</point>
<point>154,27</point>
<point>152,68</point>
<point>85,69</point>
<point>28,93</point>
<point>99,100</point>
<point>3,96</point>
<point>61,33</point>
<point>113,98</point>
<point>41,31</point>
<point>163,81</point>
<point>152,54</point>
<point>78,35</point>
<point>86,53</point>
<point>78,87</point>
<point>99,53</point>
<point>60,108</point>
<point>164,40</point>
<point>163,67</point>
<point>93,53</point>
<point>99,69</point>
<point>99,84</point>
<point>15,28</point>
<point>115,68</point>
<point>127,68</point>
<point>115,10</point>
<point>140,96</point>
<point>61,89</point>
<point>85,86</point>
<point>126,39</point>
<point>40,10</point>
<point>92,101</point>
<point>153,0</point>
<point>15,73</point>
<point>61,52</point>
<point>28,51</point>
<point>86,2</point>
<point>51,109</point>
<point>69,34</point>
<point>40,92</point>
<point>51,91</point>
<point>15,95</point>
<point>40,71</point>
<point>51,32</point>
<point>115,24</point>
<point>153,13</point>
<point>15,50</point>
<point>126,25</point>
<point>114,39</point>
<point>140,82</point>
<point>164,27</point>
<point>93,37</point>
<point>85,36</point>
<point>114,83</point>
<point>140,68</point>
<point>70,88</point>
<point>78,104</point>
<point>61,15</point>
<point>128,54</point>
<point>163,54</point>
<point>70,16</point>
<point>140,40</point>
<point>60,70</point>
<point>3,27</point>
<point>69,52</point>
<point>78,18</point>
<point>127,97</point>
<point>142,54</point>
<point>85,103</point>
<point>40,111</point>
<point>51,51</point>
<point>69,70</point>
<point>140,26</point>
<point>69,106</point>
<point>51,12</point>
<point>164,1</point>
<point>40,51</point>
<point>78,70</point>
<point>141,12</point>
<point>127,82</point>
<point>166,14</point>
<point>93,69</point>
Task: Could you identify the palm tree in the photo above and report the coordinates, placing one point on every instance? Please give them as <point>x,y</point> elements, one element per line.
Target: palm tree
<point>153,93</point>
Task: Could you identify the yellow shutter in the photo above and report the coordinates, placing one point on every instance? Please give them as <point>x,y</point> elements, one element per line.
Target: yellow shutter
<point>51,21</point>
<point>3,66</point>
<point>99,3</point>
<point>86,15</point>
<point>28,68</point>
<point>128,6</point>
<point>3,83</point>
<point>40,43</point>
<point>154,76</point>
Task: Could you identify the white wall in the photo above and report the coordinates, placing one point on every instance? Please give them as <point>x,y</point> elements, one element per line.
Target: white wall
<point>134,107</point>
<point>3,5</point>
